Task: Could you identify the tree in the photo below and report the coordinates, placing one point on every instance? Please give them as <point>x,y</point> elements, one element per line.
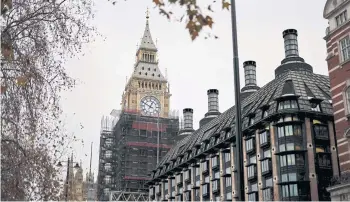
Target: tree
<point>194,15</point>
<point>37,36</point>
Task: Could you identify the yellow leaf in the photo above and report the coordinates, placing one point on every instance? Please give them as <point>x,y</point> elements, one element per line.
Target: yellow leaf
<point>22,80</point>
<point>226,5</point>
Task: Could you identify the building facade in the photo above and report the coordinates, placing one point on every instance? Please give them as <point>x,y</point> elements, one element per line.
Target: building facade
<point>289,145</point>
<point>338,59</point>
<point>132,143</point>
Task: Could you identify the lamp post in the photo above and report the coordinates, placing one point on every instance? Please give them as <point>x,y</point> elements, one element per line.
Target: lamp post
<point>238,119</point>
<point>59,164</point>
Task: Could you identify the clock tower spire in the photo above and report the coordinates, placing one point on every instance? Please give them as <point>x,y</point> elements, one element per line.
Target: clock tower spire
<point>147,89</point>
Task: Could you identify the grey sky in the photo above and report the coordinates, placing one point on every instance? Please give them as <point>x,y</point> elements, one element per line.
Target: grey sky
<point>192,67</point>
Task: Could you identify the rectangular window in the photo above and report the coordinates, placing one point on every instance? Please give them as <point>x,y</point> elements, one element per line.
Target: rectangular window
<point>289,190</point>
<point>264,137</point>
<point>227,157</point>
<point>228,196</point>
<point>345,48</point>
<point>267,194</point>
<point>249,145</point>
<point>205,166</point>
<point>215,162</point>
<point>228,181</point>
<point>341,18</point>
<point>252,171</point>
<point>216,185</point>
<point>266,166</point>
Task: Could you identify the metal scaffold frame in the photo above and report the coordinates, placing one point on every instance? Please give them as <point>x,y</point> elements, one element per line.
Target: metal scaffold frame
<point>128,196</point>
<point>137,144</point>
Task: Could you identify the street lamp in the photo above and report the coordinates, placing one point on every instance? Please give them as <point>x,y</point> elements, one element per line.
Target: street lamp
<point>59,164</point>
<point>238,119</point>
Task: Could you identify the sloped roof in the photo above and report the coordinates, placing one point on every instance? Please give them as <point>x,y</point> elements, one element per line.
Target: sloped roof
<point>147,70</point>
<point>147,41</point>
<point>300,83</point>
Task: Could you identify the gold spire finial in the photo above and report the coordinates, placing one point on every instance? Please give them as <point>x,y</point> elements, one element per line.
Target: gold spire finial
<point>147,13</point>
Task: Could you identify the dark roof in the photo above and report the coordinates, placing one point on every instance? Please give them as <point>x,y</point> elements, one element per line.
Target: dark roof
<point>300,83</point>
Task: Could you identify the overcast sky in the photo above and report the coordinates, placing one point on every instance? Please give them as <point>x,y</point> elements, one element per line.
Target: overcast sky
<point>192,67</point>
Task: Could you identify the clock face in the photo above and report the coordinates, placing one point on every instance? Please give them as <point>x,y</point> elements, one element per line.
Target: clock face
<point>150,106</point>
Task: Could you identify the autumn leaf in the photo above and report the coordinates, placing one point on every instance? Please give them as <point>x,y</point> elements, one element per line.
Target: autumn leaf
<point>194,35</point>
<point>209,21</point>
<point>226,5</point>
<point>3,89</point>
<point>158,2</point>
<point>21,80</point>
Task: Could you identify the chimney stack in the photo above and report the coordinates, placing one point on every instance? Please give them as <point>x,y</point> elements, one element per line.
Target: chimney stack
<point>213,107</point>
<point>292,60</point>
<point>213,100</point>
<point>188,118</point>
<point>250,73</point>
<point>291,43</point>
<point>250,79</point>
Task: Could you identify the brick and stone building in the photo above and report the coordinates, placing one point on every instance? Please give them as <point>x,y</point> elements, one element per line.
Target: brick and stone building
<point>338,59</point>
<point>289,145</point>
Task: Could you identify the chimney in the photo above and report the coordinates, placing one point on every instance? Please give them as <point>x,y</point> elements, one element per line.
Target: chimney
<point>213,107</point>
<point>292,60</point>
<point>250,79</point>
<point>213,100</point>
<point>188,123</point>
<point>188,118</point>
<point>250,73</point>
<point>290,37</point>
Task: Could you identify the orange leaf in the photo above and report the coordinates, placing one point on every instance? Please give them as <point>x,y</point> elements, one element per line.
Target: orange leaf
<point>226,5</point>
<point>158,2</point>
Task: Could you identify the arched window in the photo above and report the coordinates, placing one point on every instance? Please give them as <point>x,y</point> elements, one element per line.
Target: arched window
<point>347,95</point>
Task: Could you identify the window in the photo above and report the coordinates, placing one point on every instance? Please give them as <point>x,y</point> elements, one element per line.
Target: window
<point>108,167</point>
<point>249,145</point>
<point>264,137</point>
<point>266,165</point>
<point>267,194</point>
<point>315,107</point>
<point>289,130</point>
<point>109,142</point>
<point>267,153</point>
<point>265,113</point>
<point>347,95</point>
<point>345,48</point>
<point>289,190</point>
<point>252,171</point>
<point>268,182</point>
<point>106,191</point>
<point>288,104</point>
<point>251,121</point>
<point>205,166</point>
<point>215,162</point>
<point>108,154</point>
<point>229,196</point>
<point>321,131</point>
<point>341,18</point>
<point>228,181</point>
<point>289,177</point>
<point>108,179</point>
<point>216,185</point>
<point>205,189</point>
<point>227,157</point>
<point>179,178</point>
<point>291,159</point>
<point>289,147</point>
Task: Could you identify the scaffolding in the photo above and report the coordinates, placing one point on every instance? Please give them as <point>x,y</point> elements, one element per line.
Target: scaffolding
<point>130,145</point>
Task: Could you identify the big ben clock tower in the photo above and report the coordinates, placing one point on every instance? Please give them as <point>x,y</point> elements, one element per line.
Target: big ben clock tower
<point>147,90</point>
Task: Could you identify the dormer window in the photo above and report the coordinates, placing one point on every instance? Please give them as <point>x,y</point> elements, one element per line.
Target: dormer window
<point>265,113</point>
<point>287,104</point>
<point>315,107</point>
<point>341,18</point>
<point>251,120</point>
